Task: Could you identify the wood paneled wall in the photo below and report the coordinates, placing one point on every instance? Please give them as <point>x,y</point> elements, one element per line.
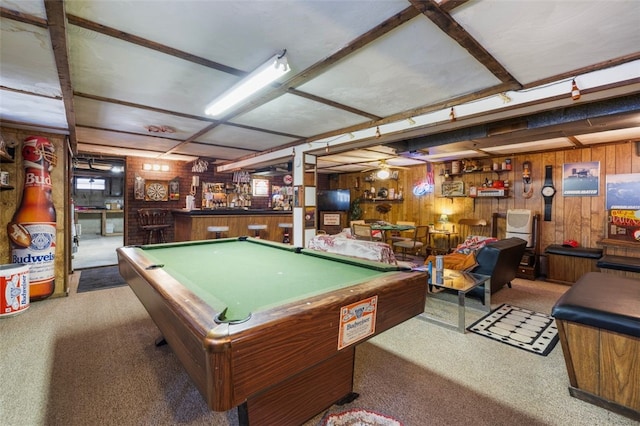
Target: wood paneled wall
<point>578,218</point>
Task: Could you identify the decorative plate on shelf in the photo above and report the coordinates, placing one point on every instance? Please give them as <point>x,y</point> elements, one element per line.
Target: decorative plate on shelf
<point>383,193</point>
<point>156,191</point>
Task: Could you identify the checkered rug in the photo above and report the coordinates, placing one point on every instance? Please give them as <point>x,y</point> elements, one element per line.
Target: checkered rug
<point>522,328</point>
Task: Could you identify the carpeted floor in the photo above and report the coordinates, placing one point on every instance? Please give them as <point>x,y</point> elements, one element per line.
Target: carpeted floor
<point>99,278</point>
<point>90,359</point>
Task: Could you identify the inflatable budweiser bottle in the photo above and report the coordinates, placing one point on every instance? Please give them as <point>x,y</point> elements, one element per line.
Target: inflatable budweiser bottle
<point>32,232</point>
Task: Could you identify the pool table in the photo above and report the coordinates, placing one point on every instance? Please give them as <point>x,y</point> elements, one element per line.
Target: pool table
<point>264,326</point>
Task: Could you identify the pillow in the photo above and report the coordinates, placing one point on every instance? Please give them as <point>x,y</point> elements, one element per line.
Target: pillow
<point>473,243</point>
<point>457,261</point>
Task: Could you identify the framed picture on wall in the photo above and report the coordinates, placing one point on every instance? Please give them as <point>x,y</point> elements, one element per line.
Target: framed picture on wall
<point>260,187</point>
<point>174,189</point>
<point>453,189</point>
<point>138,188</point>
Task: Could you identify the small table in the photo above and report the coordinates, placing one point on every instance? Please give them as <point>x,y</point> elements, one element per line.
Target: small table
<point>432,245</point>
<point>390,227</point>
<point>462,282</point>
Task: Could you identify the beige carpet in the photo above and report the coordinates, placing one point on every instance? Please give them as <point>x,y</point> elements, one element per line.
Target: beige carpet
<point>89,359</point>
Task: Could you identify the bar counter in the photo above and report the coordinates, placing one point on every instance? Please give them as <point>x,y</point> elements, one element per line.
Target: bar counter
<point>191,225</point>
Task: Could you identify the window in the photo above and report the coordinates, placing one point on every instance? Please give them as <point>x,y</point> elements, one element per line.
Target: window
<point>98,184</point>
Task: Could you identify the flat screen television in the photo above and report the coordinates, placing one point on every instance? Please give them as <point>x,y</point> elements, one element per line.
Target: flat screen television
<point>334,200</point>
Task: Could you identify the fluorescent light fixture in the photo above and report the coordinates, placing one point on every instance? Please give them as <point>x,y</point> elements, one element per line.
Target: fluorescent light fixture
<point>274,68</point>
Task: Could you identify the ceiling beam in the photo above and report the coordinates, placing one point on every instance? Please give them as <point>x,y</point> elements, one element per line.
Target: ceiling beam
<point>143,42</point>
<point>57,25</point>
<point>332,104</point>
<point>446,23</point>
<point>22,17</point>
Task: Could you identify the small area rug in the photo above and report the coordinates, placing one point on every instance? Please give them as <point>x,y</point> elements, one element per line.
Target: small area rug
<point>356,417</point>
<point>99,278</point>
<point>522,328</point>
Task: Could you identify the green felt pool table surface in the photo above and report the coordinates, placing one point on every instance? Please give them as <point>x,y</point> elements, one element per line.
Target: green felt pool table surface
<point>250,275</point>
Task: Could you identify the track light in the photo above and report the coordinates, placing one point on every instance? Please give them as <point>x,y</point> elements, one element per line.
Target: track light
<point>274,68</point>
<point>575,92</point>
<point>411,121</point>
<point>378,134</point>
<point>452,115</point>
<point>505,98</point>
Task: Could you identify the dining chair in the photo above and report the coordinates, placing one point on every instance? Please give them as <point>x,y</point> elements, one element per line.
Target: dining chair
<point>416,243</point>
<point>471,227</point>
<point>402,235</point>
<point>362,231</point>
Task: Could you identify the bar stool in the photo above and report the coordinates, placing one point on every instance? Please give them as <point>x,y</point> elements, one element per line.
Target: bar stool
<point>256,228</point>
<point>153,222</point>
<point>218,230</point>
<point>285,232</point>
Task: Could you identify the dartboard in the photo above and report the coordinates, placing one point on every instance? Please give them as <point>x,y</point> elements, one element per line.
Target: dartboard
<point>156,191</point>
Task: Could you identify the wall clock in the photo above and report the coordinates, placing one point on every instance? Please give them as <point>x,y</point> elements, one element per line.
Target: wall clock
<point>156,191</point>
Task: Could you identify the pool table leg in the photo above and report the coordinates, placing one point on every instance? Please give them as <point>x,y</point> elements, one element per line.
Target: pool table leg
<point>303,396</point>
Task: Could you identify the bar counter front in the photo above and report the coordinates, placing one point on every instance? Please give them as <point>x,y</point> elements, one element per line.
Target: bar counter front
<point>267,327</point>
<point>191,225</point>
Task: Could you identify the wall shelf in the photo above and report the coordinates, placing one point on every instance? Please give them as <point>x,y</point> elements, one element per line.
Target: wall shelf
<point>498,172</point>
<point>382,200</point>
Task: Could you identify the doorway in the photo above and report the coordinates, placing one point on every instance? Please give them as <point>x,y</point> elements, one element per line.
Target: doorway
<point>98,211</point>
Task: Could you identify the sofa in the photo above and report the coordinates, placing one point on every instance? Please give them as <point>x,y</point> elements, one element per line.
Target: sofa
<point>498,258</point>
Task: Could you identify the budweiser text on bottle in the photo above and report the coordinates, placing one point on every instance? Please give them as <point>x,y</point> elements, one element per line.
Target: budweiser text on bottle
<point>32,231</point>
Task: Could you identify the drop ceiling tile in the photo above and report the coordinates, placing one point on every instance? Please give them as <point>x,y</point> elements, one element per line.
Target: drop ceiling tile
<point>27,59</point>
<point>204,150</point>
<point>535,39</point>
<point>110,116</point>
<point>124,140</point>
<point>541,145</point>
<point>412,66</point>
<point>20,107</point>
<point>298,116</point>
<point>632,133</point>
<point>239,137</point>
<point>111,68</point>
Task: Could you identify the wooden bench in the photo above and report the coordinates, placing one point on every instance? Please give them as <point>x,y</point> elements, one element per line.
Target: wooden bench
<point>598,323</point>
<point>567,264</point>
<point>619,263</point>
<point>621,258</point>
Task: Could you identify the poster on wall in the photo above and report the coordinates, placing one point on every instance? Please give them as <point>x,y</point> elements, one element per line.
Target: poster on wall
<point>624,225</point>
<point>623,191</point>
<point>138,188</point>
<point>174,189</point>
<point>310,217</point>
<point>581,179</point>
